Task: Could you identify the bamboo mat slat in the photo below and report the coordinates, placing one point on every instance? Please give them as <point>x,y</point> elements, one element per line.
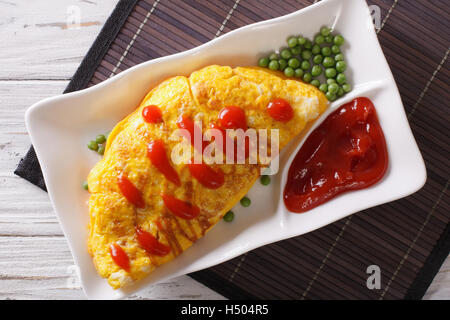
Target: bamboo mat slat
<point>409,238</point>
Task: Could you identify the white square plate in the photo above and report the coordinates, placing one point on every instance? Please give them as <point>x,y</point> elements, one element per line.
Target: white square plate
<point>60,127</point>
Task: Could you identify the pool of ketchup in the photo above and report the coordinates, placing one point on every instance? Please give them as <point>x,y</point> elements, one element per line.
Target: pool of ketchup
<point>346,152</point>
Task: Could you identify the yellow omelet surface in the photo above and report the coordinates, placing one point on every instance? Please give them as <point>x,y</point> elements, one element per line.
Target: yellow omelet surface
<point>113,219</point>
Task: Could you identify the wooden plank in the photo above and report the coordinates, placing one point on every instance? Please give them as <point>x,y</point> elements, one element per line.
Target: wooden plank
<point>440,287</point>
<point>40,40</point>
<point>42,268</point>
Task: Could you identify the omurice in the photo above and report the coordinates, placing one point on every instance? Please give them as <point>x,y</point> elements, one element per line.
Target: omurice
<point>145,208</point>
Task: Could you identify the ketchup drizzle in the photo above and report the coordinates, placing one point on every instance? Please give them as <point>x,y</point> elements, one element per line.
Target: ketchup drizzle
<point>180,208</point>
<point>157,153</point>
<point>152,114</point>
<point>119,256</point>
<point>150,243</point>
<point>130,192</point>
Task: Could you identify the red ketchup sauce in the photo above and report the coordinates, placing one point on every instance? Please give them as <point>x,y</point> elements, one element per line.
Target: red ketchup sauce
<point>202,172</point>
<point>157,154</point>
<point>150,243</point>
<point>280,110</point>
<point>232,117</point>
<point>180,208</point>
<point>152,114</point>
<point>346,152</point>
<point>130,192</point>
<point>119,256</point>
<point>207,176</point>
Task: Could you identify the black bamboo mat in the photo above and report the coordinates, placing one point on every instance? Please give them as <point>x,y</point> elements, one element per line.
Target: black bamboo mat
<point>408,239</point>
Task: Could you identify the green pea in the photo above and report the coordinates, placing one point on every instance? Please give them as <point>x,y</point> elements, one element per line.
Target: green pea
<point>328,62</point>
<point>341,78</point>
<point>339,57</point>
<point>331,96</point>
<point>273,56</point>
<point>315,49</point>
<point>286,54</point>
<point>319,39</point>
<point>339,40</point>
<point>85,185</point>
<point>289,72</point>
<point>229,216</point>
<point>335,49</point>
<point>306,55</point>
<point>292,42</point>
<point>245,202</point>
<point>316,71</point>
<point>341,92</point>
<point>265,180</point>
<point>323,87</point>
<point>283,64</point>
<point>318,59</point>
<point>274,65</point>
<point>93,145</point>
<point>307,77</point>
<point>294,63</point>
<point>325,31</point>
<point>329,39</point>
<point>298,73</point>
<point>315,83</point>
<point>308,44</point>
<point>263,62</point>
<point>346,87</point>
<point>301,40</point>
<point>326,51</point>
<point>341,66</point>
<point>296,50</point>
<point>330,72</point>
<point>330,81</point>
<point>100,139</point>
<point>305,65</point>
<point>101,150</point>
<point>333,88</point>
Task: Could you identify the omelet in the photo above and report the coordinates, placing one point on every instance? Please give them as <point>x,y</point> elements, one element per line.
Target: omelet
<point>146,209</point>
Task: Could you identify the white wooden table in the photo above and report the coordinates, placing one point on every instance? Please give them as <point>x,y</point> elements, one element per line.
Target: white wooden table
<point>38,56</point>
